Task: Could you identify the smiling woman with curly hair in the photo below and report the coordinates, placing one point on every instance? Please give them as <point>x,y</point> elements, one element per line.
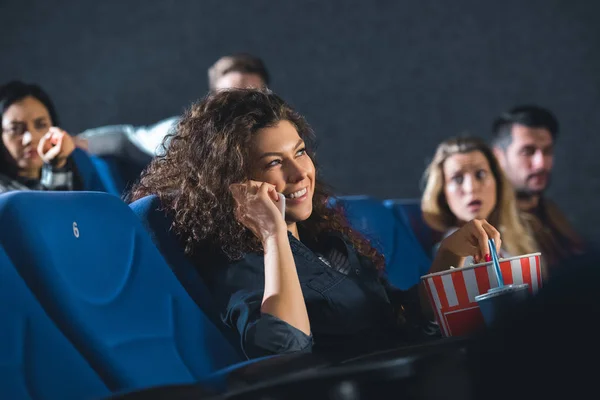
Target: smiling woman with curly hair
<point>281,280</point>
<point>208,154</point>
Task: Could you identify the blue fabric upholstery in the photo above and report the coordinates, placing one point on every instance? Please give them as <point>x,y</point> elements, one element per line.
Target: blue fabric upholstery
<point>108,174</point>
<point>409,211</point>
<point>158,225</point>
<point>411,260</point>
<point>36,360</point>
<point>406,261</point>
<point>88,172</point>
<point>368,216</point>
<point>95,269</point>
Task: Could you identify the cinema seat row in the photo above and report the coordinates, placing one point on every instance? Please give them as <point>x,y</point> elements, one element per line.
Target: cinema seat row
<point>97,298</point>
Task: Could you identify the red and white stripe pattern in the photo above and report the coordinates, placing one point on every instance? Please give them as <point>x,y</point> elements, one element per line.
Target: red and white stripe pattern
<point>452,293</point>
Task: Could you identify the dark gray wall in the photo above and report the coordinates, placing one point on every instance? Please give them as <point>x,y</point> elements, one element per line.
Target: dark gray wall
<point>382,82</point>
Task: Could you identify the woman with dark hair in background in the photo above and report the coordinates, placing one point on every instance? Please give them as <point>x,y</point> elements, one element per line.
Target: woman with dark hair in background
<point>279,281</point>
<point>34,153</point>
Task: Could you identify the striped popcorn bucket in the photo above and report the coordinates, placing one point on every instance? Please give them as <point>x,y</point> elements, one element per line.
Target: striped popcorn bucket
<point>452,292</point>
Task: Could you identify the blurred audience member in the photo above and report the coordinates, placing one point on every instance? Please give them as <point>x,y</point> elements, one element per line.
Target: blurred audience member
<point>464,182</point>
<point>523,141</point>
<point>35,154</point>
<point>139,144</point>
<point>239,71</point>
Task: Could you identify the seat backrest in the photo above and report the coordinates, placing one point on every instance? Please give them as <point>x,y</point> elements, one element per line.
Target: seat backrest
<point>158,225</point>
<point>98,275</point>
<point>88,172</point>
<point>36,360</point>
<point>368,216</point>
<point>406,261</point>
<point>409,210</point>
<point>410,261</point>
<point>109,174</point>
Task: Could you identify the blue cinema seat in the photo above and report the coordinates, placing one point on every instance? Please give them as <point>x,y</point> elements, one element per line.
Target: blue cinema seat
<point>94,268</point>
<point>109,174</point>
<point>88,172</point>
<point>411,259</point>
<point>158,226</point>
<point>406,261</point>
<point>368,216</point>
<point>37,362</point>
<point>409,210</point>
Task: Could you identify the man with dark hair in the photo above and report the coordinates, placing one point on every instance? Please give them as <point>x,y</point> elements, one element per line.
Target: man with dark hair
<point>523,141</point>
<point>134,146</point>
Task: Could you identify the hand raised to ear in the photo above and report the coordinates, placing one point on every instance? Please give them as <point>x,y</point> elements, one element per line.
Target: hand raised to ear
<point>256,208</point>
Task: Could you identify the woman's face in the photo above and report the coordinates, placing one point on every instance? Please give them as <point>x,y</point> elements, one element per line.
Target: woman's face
<point>278,157</point>
<point>23,125</point>
<point>469,186</point>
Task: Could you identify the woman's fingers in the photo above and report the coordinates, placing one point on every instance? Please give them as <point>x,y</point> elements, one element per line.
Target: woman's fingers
<point>493,233</point>
<point>44,145</point>
<point>269,190</point>
<point>481,238</point>
<point>246,193</point>
<point>482,232</point>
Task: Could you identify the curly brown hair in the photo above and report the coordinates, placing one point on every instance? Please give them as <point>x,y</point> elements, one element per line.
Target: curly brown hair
<point>208,152</point>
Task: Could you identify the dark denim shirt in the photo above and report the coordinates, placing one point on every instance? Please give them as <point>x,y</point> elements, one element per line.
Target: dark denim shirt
<point>348,313</point>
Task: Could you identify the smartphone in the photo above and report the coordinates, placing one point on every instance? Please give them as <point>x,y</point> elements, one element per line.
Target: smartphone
<point>281,204</point>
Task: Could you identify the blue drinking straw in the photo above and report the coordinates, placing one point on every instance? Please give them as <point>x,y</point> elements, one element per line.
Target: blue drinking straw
<point>495,262</point>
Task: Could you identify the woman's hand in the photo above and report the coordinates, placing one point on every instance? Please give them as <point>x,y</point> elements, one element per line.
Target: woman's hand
<point>282,297</point>
<point>472,240</point>
<point>55,147</point>
<point>256,208</point>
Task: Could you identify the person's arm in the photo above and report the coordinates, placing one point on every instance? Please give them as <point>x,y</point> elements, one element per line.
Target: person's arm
<point>137,143</point>
<point>55,149</point>
<point>283,296</point>
<point>470,240</point>
<point>115,141</point>
<point>282,299</point>
<point>260,333</point>
<point>444,259</point>
<point>57,178</point>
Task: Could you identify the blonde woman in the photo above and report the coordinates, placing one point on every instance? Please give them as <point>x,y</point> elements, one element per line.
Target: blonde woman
<point>464,182</point>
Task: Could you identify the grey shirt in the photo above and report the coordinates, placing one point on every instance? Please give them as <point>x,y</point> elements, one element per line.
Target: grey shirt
<point>136,143</point>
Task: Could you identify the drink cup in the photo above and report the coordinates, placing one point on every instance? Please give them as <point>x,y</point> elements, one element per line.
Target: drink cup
<point>500,301</point>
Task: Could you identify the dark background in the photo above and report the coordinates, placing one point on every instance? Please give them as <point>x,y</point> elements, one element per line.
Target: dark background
<point>382,82</point>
